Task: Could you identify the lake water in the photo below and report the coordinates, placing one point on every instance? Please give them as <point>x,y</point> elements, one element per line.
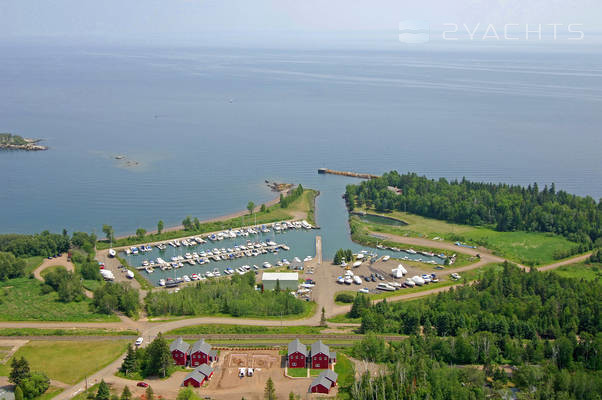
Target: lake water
<point>208,126</point>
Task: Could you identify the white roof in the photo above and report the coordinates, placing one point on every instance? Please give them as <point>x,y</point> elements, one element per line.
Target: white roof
<point>283,276</point>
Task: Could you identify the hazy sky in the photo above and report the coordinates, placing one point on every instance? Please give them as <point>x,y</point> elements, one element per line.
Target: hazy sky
<point>135,18</point>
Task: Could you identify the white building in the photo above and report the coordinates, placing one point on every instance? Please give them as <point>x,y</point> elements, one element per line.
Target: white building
<point>287,280</point>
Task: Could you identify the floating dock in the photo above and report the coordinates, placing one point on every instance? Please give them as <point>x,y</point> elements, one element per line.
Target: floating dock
<point>347,173</point>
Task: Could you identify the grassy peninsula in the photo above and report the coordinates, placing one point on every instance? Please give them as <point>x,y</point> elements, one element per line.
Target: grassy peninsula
<point>8,141</point>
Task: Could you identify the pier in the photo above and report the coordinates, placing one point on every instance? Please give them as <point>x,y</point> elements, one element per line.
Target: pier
<point>347,173</point>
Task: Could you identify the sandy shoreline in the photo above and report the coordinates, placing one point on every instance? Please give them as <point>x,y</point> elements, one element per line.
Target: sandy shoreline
<point>237,214</point>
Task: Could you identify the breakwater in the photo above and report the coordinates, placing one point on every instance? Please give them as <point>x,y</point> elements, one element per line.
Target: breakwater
<point>347,173</point>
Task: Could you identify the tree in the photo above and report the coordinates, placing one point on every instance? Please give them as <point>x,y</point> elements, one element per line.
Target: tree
<point>250,207</point>
<point>160,226</point>
<point>19,370</point>
<point>35,385</point>
<point>150,395</point>
<point>187,223</point>
<point>159,357</point>
<point>18,393</point>
<point>108,231</point>
<point>323,318</point>
<point>126,394</point>
<point>11,266</point>
<point>263,208</point>
<point>103,392</point>
<point>269,392</point>
<point>129,362</point>
<point>140,233</point>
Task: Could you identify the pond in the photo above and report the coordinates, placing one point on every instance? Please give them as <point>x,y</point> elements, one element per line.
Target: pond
<point>379,219</point>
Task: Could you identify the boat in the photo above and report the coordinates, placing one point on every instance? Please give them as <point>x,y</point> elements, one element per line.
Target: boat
<point>340,280</point>
<point>129,274</point>
<point>385,287</point>
<point>411,251</point>
<point>348,280</point>
<point>418,280</point>
<point>149,270</point>
<point>112,253</point>
<point>409,283</point>
<point>357,280</point>
<point>386,258</point>
<point>357,264</point>
<point>161,282</point>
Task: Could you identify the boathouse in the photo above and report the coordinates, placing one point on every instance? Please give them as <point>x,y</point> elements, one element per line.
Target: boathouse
<point>286,280</point>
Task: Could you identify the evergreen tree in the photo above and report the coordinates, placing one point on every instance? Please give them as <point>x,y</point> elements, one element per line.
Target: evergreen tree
<point>160,226</point>
<point>126,394</point>
<point>150,395</point>
<point>159,357</point>
<point>103,392</point>
<point>269,392</point>
<point>19,370</point>
<point>323,318</point>
<point>129,363</point>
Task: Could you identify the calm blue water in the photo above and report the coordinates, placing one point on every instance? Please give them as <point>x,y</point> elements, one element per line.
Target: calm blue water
<point>209,125</point>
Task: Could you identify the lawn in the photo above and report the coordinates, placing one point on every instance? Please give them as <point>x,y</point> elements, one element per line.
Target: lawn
<point>54,268</point>
<point>244,329</point>
<point>22,299</point>
<point>297,372</point>
<point>589,272</point>
<point>64,332</point>
<point>344,368</point>
<point>344,319</point>
<point>304,204</point>
<point>69,361</point>
<point>531,248</point>
<point>32,263</point>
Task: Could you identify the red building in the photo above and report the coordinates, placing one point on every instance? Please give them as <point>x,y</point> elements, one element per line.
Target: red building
<point>201,353</point>
<point>297,354</point>
<point>324,382</point>
<point>197,377</point>
<point>179,351</point>
<point>320,355</point>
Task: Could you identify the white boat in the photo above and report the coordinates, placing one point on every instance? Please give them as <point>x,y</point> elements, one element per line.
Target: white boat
<point>385,286</point>
<point>411,251</point>
<point>386,258</point>
<point>409,283</point>
<point>112,253</point>
<point>357,264</point>
<point>348,280</point>
<point>129,274</point>
<point>149,270</point>
<point>357,280</point>
<point>186,278</point>
<point>418,280</point>
<point>340,280</point>
<point>161,282</point>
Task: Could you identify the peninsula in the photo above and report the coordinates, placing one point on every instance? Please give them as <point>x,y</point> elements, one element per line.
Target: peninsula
<point>9,141</point>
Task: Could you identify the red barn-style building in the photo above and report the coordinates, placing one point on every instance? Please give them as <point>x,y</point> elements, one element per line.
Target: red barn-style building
<point>201,353</point>
<point>179,351</point>
<point>297,354</point>
<point>321,357</point>
<point>324,382</point>
<point>197,377</point>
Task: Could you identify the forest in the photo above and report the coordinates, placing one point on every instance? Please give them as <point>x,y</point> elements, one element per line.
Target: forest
<point>536,331</point>
<point>40,244</point>
<point>501,206</point>
<point>237,297</point>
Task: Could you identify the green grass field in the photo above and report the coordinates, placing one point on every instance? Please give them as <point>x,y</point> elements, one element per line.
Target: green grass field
<point>589,272</point>
<point>530,248</point>
<point>344,368</point>
<point>22,300</point>
<point>32,263</point>
<point>297,372</point>
<point>54,268</point>
<point>244,329</point>
<point>64,332</point>
<point>304,204</point>
<point>68,361</point>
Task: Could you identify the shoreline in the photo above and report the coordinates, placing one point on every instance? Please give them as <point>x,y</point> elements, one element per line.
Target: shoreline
<point>236,214</point>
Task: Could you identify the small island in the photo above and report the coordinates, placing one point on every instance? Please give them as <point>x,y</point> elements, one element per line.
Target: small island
<point>9,141</point>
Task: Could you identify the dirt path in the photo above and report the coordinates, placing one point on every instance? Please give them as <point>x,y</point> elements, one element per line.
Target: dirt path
<point>58,261</point>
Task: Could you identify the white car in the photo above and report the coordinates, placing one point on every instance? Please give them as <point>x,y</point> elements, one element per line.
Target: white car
<point>364,290</point>
<point>455,276</point>
<point>139,341</point>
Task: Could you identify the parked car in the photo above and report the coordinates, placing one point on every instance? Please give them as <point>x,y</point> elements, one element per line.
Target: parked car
<point>139,341</point>
<point>142,384</point>
<point>364,290</point>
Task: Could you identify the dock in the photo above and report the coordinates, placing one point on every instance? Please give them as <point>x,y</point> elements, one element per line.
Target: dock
<point>347,173</point>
